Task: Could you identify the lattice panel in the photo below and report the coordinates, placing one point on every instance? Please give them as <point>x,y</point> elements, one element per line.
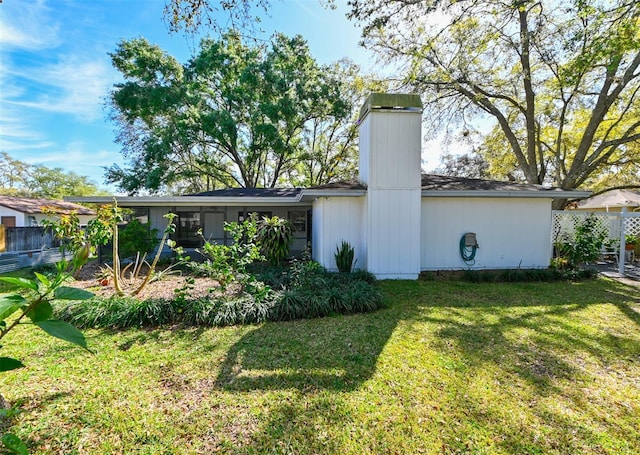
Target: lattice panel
<point>565,222</point>
<point>632,225</point>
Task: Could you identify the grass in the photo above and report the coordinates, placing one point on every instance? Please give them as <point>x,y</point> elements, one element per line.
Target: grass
<point>449,367</point>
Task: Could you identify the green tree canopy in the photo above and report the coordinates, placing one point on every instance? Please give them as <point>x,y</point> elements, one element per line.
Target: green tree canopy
<point>234,115</point>
<point>18,178</point>
<point>559,78</point>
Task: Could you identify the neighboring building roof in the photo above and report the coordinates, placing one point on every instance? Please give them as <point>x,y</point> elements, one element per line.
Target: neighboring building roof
<point>34,205</point>
<point>613,198</point>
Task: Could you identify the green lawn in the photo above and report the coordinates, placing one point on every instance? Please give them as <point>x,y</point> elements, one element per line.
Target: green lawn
<point>448,367</point>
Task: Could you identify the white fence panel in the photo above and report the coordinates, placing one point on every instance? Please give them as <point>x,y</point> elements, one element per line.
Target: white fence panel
<point>614,225</point>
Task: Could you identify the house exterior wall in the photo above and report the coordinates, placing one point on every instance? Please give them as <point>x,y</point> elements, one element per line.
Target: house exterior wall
<point>364,145</point>
<point>334,220</point>
<point>157,220</point>
<point>390,143</point>
<point>393,233</point>
<point>511,232</point>
<point>20,217</point>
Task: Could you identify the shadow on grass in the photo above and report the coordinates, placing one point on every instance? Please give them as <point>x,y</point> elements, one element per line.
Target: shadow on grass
<point>528,335</point>
<point>308,365</point>
<point>539,340</point>
<point>340,353</point>
<point>335,353</point>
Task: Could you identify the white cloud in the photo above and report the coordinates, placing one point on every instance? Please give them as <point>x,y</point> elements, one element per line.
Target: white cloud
<point>15,136</point>
<point>78,157</point>
<point>28,25</point>
<point>41,71</point>
<point>71,86</point>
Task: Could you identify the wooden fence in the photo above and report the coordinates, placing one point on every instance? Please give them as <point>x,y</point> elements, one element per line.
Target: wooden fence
<point>27,247</point>
<point>28,239</point>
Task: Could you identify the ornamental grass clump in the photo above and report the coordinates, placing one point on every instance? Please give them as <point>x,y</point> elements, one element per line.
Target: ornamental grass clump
<point>344,257</point>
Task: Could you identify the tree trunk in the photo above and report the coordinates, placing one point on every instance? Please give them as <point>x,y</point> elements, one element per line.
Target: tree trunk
<point>559,204</point>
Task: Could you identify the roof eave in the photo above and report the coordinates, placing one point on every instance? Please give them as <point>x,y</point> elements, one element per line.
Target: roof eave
<point>128,201</point>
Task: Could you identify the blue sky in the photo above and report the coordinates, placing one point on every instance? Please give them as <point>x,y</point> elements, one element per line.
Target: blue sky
<point>55,72</point>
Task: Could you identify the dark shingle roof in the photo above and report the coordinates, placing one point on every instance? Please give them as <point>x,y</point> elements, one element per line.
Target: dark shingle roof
<point>352,184</point>
<point>34,205</point>
<point>251,192</point>
<point>432,182</point>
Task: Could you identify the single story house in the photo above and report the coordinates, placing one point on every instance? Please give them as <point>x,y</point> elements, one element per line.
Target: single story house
<point>27,212</point>
<point>611,201</point>
<point>399,221</point>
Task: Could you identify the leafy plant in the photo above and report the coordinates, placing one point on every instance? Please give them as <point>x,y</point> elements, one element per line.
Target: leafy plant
<point>65,228</point>
<point>307,291</point>
<point>275,236</point>
<point>586,246</point>
<point>82,243</point>
<point>344,257</point>
<point>136,237</point>
<point>228,263</point>
<point>34,306</point>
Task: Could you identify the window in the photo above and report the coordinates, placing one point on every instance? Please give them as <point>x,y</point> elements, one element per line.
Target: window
<point>187,227</point>
<point>299,220</point>
<point>139,213</point>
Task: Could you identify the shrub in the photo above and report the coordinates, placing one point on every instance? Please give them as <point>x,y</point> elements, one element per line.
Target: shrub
<point>275,236</point>
<point>526,275</point>
<point>117,312</point>
<point>344,257</point>
<point>227,263</point>
<point>311,291</point>
<point>136,237</point>
<point>586,245</point>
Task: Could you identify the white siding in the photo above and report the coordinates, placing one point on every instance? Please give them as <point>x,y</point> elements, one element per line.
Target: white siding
<point>393,233</point>
<point>390,143</point>
<point>392,147</point>
<point>334,220</point>
<point>364,132</point>
<point>20,217</point>
<point>511,232</point>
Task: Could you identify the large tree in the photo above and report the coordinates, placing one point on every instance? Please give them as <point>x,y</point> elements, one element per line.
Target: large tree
<point>560,78</point>
<point>18,178</point>
<point>234,115</point>
<point>330,144</point>
<point>13,175</point>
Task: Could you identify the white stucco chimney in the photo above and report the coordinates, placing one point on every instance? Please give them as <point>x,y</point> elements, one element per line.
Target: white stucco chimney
<point>390,167</point>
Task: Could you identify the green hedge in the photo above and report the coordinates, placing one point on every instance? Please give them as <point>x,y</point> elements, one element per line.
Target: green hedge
<point>306,290</point>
